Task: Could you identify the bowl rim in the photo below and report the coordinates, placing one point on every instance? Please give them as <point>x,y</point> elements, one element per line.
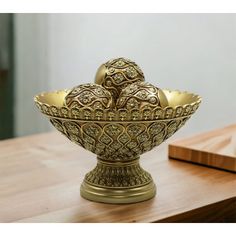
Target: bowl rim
<point>117,115</point>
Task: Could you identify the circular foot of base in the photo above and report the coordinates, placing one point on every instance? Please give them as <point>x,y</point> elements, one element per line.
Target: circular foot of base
<point>118,195</point>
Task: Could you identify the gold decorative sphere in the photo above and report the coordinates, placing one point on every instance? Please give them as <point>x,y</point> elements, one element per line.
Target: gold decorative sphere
<point>89,95</point>
<point>141,95</point>
<point>116,74</point>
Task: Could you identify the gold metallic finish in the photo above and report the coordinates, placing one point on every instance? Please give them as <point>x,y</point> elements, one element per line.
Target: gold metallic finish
<point>89,96</point>
<point>119,118</point>
<point>116,74</point>
<point>140,96</point>
<point>180,104</point>
<point>162,97</point>
<point>118,182</point>
<point>118,137</point>
<point>118,196</point>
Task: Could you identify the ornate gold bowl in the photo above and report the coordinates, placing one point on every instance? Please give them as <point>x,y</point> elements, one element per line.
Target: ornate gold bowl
<point>118,137</point>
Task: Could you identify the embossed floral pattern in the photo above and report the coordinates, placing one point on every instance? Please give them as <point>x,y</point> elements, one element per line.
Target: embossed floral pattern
<point>89,96</point>
<point>110,176</point>
<point>118,141</point>
<point>140,95</point>
<point>119,73</point>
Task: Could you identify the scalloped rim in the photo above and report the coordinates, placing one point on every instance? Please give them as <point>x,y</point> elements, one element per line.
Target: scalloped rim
<point>89,114</point>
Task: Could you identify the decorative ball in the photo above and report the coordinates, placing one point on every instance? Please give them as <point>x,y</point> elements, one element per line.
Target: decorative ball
<point>116,74</point>
<point>89,95</point>
<point>141,95</point>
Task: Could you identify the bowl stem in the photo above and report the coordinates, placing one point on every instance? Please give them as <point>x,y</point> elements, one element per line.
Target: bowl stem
<point>118,182</point>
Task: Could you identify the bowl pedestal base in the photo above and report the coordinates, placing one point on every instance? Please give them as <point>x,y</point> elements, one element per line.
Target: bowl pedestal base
<point>118,183</point>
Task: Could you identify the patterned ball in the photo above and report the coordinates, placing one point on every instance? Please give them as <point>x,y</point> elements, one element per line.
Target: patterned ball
<point>141,95</point>
<point>116,74</point>
<point>89,95</point>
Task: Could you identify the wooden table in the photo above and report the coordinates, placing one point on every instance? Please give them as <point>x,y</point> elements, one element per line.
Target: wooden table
<point>40,177</point>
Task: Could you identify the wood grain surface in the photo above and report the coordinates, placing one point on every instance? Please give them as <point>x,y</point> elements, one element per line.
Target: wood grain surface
<point>216,148</point>
<point>40,177</point>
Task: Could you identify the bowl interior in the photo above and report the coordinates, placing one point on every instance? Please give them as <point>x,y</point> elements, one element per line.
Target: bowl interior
<point>176,98</point>
<point>55,98</point>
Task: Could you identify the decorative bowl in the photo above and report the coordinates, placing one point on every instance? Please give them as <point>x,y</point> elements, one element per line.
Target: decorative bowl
<point>118,137</point>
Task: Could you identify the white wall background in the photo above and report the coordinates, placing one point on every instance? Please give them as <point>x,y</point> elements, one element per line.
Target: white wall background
<point>194,52</point>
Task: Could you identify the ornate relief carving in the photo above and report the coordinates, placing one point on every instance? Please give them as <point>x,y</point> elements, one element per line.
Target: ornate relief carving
<point>118,176</point>
<point>116,74</point>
